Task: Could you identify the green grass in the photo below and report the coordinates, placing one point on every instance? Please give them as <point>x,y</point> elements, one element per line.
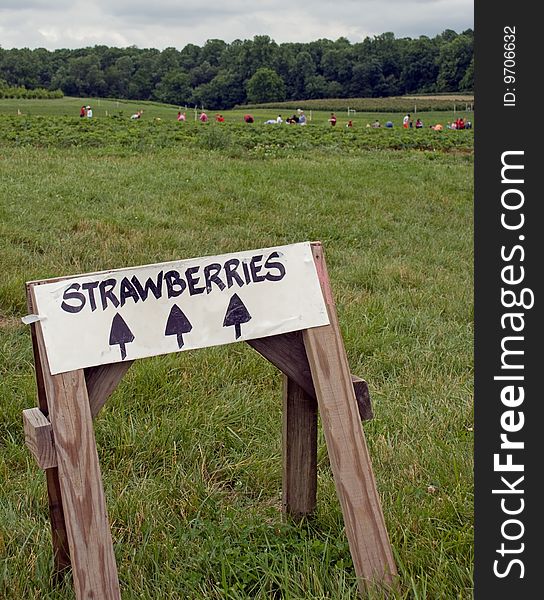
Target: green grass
<point>190,443</point>
<point>123,109</point>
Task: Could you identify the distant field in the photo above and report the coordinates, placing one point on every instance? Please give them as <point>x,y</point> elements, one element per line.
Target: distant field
<point>69,106</point>
<point>317,112</point>
<point>190,443</point>
<point>55,123</point>
<point>445,97</point>
<point>449,103</point>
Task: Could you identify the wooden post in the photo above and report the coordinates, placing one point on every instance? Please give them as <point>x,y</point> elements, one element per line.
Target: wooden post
<point>299,450</point>
<point>59,539</point>
<point>85,515</point>
<point>346,445</point>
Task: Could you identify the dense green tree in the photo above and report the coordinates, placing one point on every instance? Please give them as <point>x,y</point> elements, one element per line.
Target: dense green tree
<point>19,67</point>
<point>265,86</point>
<point>387,50</point>
<point>263,52</point>
<point>144,79</point>
<point>467,83</point>
<point>118,77</point>
<point>454,60</point>
<point>304,70</point>
<point>224,91</point>
<point>82,76</point>
<point>419,66</point>
<point>168,60</point>
<point>318,86</point>
<point>189,57</point>
<point>336,65</point>
<point>219,74</point>
<point>212,52</point>
<point>174,88</point>
<point>202,73</point>
<point>367,77</point>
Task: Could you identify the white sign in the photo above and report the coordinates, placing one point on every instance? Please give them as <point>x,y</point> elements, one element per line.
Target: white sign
<point>125,314</point>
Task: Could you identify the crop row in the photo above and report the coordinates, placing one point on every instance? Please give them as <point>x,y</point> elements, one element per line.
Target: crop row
<point>391,104</point>
<point>255,139</point>
<point>35,94</point>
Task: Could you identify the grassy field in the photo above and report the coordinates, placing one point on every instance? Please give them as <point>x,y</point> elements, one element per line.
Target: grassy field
<point>123,109</point>
<point>190,443</point>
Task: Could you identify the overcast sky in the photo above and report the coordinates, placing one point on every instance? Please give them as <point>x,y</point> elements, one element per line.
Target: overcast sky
<point>160,24</point>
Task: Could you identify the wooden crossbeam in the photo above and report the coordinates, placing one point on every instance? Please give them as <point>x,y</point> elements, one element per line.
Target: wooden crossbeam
<point>286,351</point>
<point>39,437</point>
<point>101,383</point>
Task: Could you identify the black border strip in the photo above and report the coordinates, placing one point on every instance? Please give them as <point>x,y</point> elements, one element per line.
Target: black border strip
<point>509,261</point>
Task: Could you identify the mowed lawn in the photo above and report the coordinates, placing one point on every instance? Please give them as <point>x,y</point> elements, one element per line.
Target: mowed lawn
<point>190,443</point>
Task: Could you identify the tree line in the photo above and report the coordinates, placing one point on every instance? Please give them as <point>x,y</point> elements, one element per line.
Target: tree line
<point>222,75</point>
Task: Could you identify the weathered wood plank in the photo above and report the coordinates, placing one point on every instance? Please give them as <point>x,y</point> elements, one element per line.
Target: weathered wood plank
<point>362,396</point>
<point>299,450</point>
<point>39,437</point>
<point>101,383</point>
<point>346,446</point>
<point>286,352</point>
<point>89,537</point>
<point>59,538</point>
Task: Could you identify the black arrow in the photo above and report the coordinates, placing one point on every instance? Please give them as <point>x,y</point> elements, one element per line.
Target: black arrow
<point>177,324</point>
<point>120,334</point>
<point>236,314</point>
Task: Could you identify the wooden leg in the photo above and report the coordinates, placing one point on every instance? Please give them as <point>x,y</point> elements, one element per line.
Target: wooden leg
<point>59,539</point>
<point>299,450</point>
<point>350,462</point>
<point>89,537</point>
<point>80,482</point>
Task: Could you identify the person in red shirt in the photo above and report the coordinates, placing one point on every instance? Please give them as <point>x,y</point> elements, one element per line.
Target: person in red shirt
<point>332,119</point>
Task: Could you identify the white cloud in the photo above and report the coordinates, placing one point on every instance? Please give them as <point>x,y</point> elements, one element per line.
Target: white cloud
<point>163,23</point>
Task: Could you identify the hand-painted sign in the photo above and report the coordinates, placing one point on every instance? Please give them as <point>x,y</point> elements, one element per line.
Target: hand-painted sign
<point>125,314</point>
